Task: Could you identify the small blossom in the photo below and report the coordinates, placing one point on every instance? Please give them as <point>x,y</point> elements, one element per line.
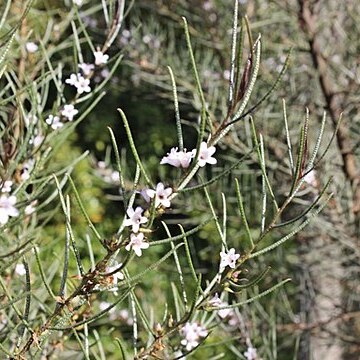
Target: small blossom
<point>250,353</point>
<point>6,186</point>
<point>205,155</point>
<point>115,176</point>
<point>112,312</point>
<point>161,195</point>
<point>20,269</point>
<point>82,84</point>
<point>78,2</point>
<point>192,333</point>
<point>36,140</point>
<point>217,302</point>
<point>124,316</point>
<point>29,209</point>
<point>144,194</point>
<point>26,170</point>
<point>310,178</point>
<point>72,80</point>
<point>178,158</point>
<point>30,119</point>
<point>137,243</point>
<point>86,68</point>
<point>54,122</point>
<point>69,112</point>
<point>226,74</point>
<point>7,208</point>
<point>117,276</point>
<point>228,259</point>
<point>31,47</point>
<point>135,218</point>
<point>100,57</point>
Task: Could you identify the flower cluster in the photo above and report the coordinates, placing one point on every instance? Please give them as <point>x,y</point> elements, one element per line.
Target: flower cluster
<point>183,158</point>
<point>192,333</point>
<point>137,239</point>
<point>68,112</point>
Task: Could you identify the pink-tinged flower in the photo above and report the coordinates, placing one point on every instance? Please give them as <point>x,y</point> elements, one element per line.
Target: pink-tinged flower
<point>6,186</point>
<point>251,353</point>
<point>178,158</point>
<point>69,112</point>
<point>86,68</point>
<point>310,178</point>
<point>161,195</point>
<point>54,122</point>
<point>137,243</point>
<point>20,269</point>
<point>205,154</point>
<point>135,218</point>
<point>228,259</point>
<point>217,302</point>
<point>100,57</point>
<point>144,194</point>
<point>7,208</point>
<point>31,47</point>
<point>192,333</point>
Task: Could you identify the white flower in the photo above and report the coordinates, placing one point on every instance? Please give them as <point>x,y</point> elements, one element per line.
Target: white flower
<point>29,209</point>
<point>137,243</point>
<point>72,80</point>
<point>228,259</point>
<point>78,2</point>
<point>310,178</point>
<point>69,112</point>
<point>86,68</point>
<point>226,74</point>
<point>135,218</point>
<point>6,186</point>
<point>20,269</point>
<point>26,170</point>
<point>30,119</point>
<point>161,195</point>
<point>81,83</point>
<point>192,333</point>
<point>217,302</point>
<point>124,316</point>
<point>115,176</point>
<point>145,195</point>
<point>115,277</point>
<point>36,140</point>
<point>100,57</point>
<point>250,354</point>
<point>54,122</point>
<point>205,155</point>
<point>178,158</point>
<point>31,47</point>
<point>7,208</point>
